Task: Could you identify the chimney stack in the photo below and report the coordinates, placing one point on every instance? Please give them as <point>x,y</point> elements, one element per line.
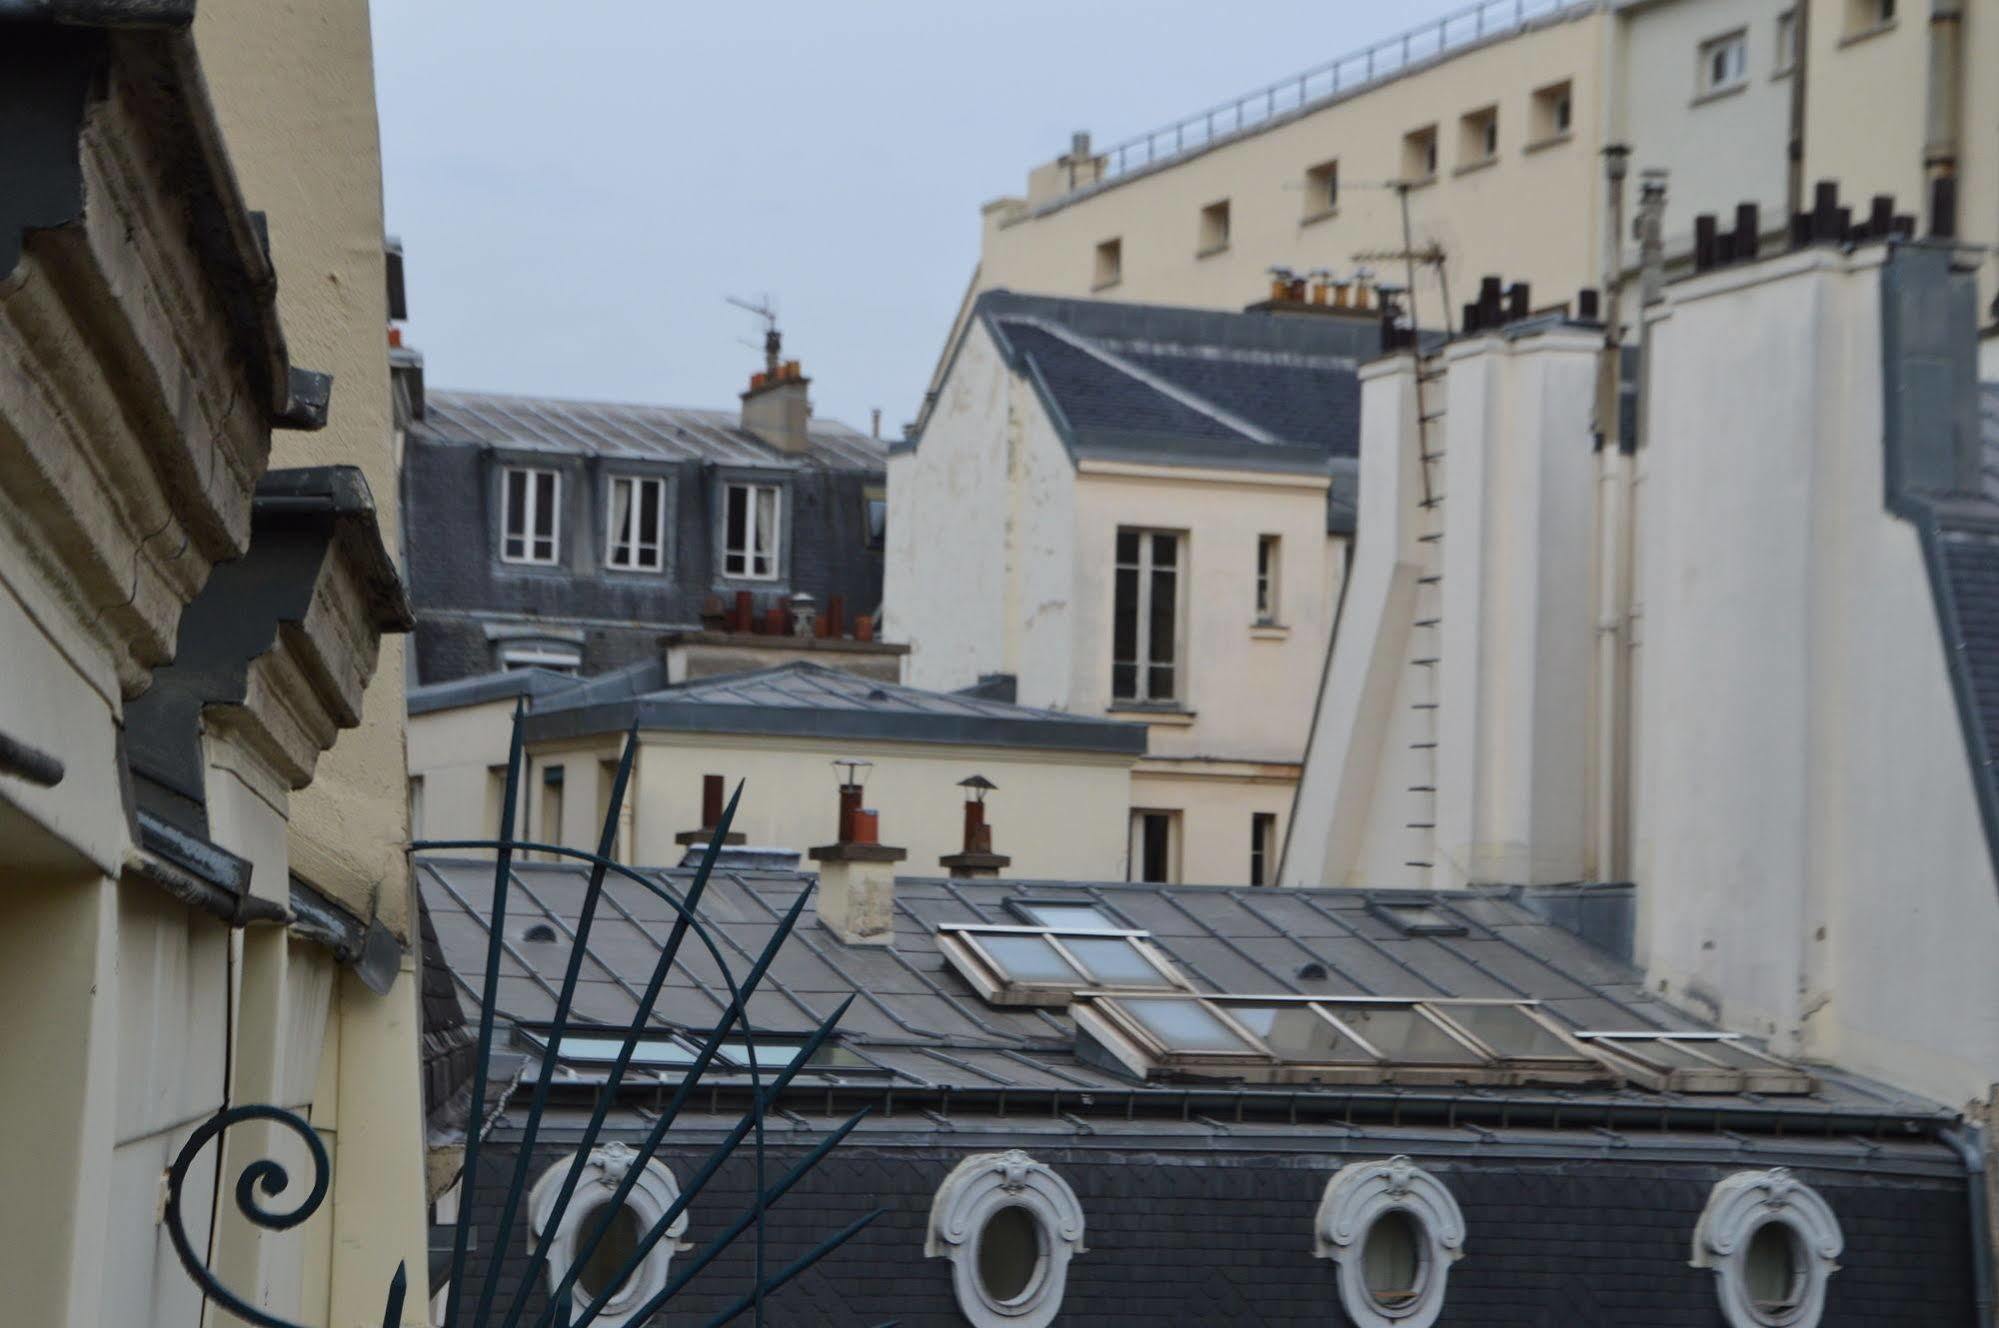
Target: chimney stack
<point>713,795</point>
<point>856,900</point>
<point>977,857</point>
<point>776,408</point>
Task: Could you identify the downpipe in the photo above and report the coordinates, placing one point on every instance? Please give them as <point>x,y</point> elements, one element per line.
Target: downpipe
<point>1969,1144</point>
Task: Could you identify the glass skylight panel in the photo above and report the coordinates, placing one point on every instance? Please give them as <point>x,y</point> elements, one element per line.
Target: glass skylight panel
<point>648,1051</point>
<point>1511,1032</point>
<point>1070,917</point>
<point>1698,1063</point>
<point>1115,963</point>
<point>1184,1026</point>
<point>1298,1033</point>
<point>1029,959</point>
<point>1402,1033</point>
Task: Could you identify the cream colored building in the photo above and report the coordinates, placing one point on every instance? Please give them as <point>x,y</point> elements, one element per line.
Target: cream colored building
<point>197,910</point>
<point>1063,782</point>
<point>1140,512</point>
<point>1496,120</point>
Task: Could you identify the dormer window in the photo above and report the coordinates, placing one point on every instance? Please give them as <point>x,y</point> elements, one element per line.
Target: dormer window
<point>531,515</point>
<point>751,531</point>
<point>635,536</point>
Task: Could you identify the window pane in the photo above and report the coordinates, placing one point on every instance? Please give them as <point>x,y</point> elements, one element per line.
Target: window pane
<point>516,502</point>
<point>1124,618</point>
<point>1078,916</point>
<point>764,559</point>
<point>1508,1031</point>
<point>1124,682</point>
<point>621,523</point>
<point>652,494</point>
<point>1156,829</point>
<point>1127,546</point>
<point>544,505</point>
<point>1114,963</point>
<point>605,1049</point>
<point>1183,1025</point>
<point>736,523</point>
<point>1401,1034</point>
<point>1165,550</point>
<point>1029,959</point>
<point>614,1251</point>
<point>1162,686</point>
<point>1298,1033</point>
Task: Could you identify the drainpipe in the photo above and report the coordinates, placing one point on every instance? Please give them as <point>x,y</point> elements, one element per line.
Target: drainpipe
<point>1969,1143</point>
<point>1946,94</point>
<point>1612,482</point>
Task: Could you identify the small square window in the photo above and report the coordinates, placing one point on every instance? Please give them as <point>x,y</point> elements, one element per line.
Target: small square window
<point>1214,228</point>
<point>1322,189</point>
<point>1724,63</point>
<point>1551,112</point>
<point>1419,154</point>
<point>1110,264</point>
<point>752,530</point>
<point>1478,137</point>
<point>530,515</point>
<point>635,520</point>
<point>1864,16</point>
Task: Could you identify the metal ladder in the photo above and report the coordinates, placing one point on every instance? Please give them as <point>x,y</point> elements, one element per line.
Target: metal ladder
<point>1426,632</point>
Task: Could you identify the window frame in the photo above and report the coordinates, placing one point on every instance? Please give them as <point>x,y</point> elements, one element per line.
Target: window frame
<point>996,985</point>
<point>1269,580</point>
<point>656,1191</point>
<point>1133,848</point>
<point>976,1191</point>
<point>1262,847</point>
<point>663,485</point>
<point>1107,268</point>
<point>1361,1194</point>
<point>1786,39</point>
<point>780,549</point>
<point>1322,189</point>
<point>1706,86</point>
<point>1422,139</point>
<point>1478,137</point>
<point>531,505</point>
<point>1142,664</point>
<point>1551,113</point>
<point>1738,1207</point>
<point>537,653</point>
<point>1217,225</point>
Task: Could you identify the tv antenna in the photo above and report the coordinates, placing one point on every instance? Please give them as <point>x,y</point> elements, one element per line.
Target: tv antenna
<point>765,309</point>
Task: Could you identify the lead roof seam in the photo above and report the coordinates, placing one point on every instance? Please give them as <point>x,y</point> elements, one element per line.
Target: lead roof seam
<point>1381,950</point>
<point>1052,1071</point>
<point>570,932</point>
<point>1237,950</point>
<point>1602,993</point>
<point>818,953</point>
<point>486,925</point>
<point>812,1016</point>
<point>1185,963</point>
<point>964,1011</point>
<point>632,920</point>
<point>1310,953</point>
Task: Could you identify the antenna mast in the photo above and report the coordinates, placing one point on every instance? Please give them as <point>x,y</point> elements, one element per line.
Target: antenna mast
<point>773,339</point>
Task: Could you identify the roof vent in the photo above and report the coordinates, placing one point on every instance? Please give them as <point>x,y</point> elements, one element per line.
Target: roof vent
<point>541,933</point>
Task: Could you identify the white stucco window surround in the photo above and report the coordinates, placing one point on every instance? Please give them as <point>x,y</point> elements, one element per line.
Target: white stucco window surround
<point>1773,1244</point>
<point>1009,1226</point>
<point>1394,1231</point>
<point>651,1196</point>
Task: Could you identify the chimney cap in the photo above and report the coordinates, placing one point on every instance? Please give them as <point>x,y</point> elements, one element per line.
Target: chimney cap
<point>978,782</point>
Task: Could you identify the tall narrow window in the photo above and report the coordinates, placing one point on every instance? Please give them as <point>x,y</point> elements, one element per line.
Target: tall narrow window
<point>1262,846</point>
<point>1269,561</point>
<point>1787,42</point>
<point>1145,626</point>
<point>1322,189</point>
<point>1419,154</point>
<point>416,806</point>
<point>550,812</point>
<point>1110,264</point>
<point>636,538</point>
<point>751,513</point>
<point>1154,856</point>
<point>531,515</point>
<point>1214,229</point>
<point>1478,137</point>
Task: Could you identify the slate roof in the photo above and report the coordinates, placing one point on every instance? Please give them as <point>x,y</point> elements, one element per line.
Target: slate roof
<point>919,1021</point>
<point>807,699</point>
<point>607,429</point>
<point>1175,386</point>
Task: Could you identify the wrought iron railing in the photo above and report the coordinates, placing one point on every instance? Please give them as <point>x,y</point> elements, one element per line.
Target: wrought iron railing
<point>1383,60</point>
<point>492,1302</point>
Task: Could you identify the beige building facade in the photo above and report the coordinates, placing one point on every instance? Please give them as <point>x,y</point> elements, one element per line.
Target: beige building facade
<point>196,915</point>
<point>1062,783</point>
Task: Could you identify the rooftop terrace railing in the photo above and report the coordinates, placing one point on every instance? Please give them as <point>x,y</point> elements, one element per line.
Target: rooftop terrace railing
<point>1383,60</point>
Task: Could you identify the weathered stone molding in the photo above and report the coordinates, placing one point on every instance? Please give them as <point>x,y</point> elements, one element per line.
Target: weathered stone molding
<point>1737,1208</point>
<point>1361,1194</point>
<point>977,1190</point>
<point>654,1192</point>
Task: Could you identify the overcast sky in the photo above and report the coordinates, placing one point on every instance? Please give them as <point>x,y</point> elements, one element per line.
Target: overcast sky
<point>579,186</point>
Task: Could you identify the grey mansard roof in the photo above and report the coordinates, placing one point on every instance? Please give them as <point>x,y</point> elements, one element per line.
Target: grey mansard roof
<point>1165,385</point>
<point>810,700</point>
<point>654,433</point>
<point>923,1023</point>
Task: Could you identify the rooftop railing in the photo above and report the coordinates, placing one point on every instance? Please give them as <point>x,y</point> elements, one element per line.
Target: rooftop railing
<point>1383,60</point>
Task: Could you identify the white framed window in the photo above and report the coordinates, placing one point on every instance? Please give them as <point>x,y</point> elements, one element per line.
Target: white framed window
<point>531,515</point>
<point>635,524</point>
<point>752,528</point>
<point>1773,1244</point>
<point>1269,566</point>
<point>651,1195</point>
<point>1724,63</point>
<point>1009,1225</point>
<point>1145,618</point>
<point>1394,1231</point>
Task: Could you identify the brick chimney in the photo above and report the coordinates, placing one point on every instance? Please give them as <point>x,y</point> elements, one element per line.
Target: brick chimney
<point>977,857</point>
<point>712,799</point>
<point>856,900</point>
<point>776,408</point>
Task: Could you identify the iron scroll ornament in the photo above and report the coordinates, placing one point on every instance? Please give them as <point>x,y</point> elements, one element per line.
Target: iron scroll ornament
<point>493,1306</point>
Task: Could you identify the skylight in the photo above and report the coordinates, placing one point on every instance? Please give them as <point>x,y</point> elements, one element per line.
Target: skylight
<point>1698,1063</point>
<point>1068,917</point>
<point>1291,1039</point>
<point>678,1051</point>
<point>1045,965</point>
